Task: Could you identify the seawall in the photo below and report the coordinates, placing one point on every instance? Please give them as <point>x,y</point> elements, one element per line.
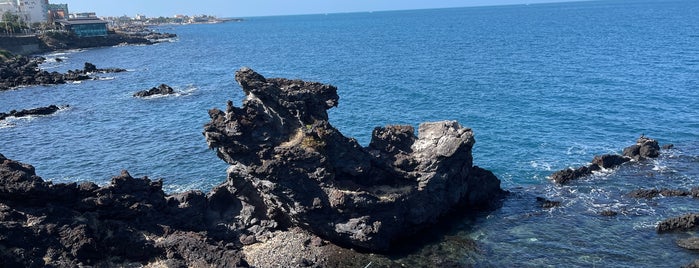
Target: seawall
<point>23,45</point>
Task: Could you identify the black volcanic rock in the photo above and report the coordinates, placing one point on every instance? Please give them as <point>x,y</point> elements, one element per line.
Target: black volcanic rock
<point>685,222</point>
<point>34,111</point>
<point>129,221</point>
<point>290,167</point>
<point>691,243</point>
<point>545,203</point>
<point>162,89</point>
<point>24,71</point>
<point>644,148</point>
<point>652,193</point>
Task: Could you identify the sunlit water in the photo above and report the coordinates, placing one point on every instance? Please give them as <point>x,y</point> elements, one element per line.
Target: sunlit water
<point>544,87</point>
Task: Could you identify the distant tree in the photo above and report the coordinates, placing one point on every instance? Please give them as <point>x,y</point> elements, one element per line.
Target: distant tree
<point>11,23</point>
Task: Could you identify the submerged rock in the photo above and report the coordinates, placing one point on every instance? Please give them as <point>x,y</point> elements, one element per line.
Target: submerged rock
<point>545,203</point>
<point>290,167</point>
<point>162,89</point>
<point>644,148</point>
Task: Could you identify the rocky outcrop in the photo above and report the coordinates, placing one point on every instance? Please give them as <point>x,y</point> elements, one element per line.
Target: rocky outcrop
<point>162,89</point>
<point>290,167</point>
<point>24,71</point>
<point>64,40</point>
<point>34,111</point>
<point>644,148</point>
<point>682,223</point>
<point>129,221</point>
<point>294,181</point>
<point>652,193</point>
<point>545,203</point>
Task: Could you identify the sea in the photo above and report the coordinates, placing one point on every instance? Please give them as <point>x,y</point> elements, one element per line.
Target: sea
<point>543,86</point>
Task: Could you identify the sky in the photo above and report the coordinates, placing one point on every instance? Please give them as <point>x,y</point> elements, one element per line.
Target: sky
<point>253,8</point>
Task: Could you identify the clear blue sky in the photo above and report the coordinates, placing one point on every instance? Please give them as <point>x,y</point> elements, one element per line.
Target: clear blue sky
<point>250,8</point>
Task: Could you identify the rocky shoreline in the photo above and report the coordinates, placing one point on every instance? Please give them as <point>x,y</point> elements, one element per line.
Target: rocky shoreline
<point>297,189</point>
<point>18,71</point>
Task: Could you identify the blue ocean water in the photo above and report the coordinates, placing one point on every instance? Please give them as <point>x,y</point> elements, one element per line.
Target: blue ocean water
<point>543,86</point>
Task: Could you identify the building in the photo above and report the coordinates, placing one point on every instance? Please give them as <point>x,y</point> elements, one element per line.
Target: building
<point>85,27</point>
<point>30,11</point>
<point>58,12</point>
<point>8,6</point>
<point>34,11</point>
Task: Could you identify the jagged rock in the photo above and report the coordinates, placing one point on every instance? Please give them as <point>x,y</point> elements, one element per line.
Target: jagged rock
<point>34,111</point>
<point>694,264</point>
<point>290,167</point>
<point>24,71</point>
<point>609,213</point>
<point>162,89</point>
<point>609,160</point>
<point>644,148</point>
<point>652,193</point>
<point>682,223</point>
<point>565,175</point>
<point>129,221</point>
<point>691,243</point>
<point>545,203</point>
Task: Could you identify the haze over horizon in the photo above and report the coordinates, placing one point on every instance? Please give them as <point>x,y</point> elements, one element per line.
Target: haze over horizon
<point>227,8</point>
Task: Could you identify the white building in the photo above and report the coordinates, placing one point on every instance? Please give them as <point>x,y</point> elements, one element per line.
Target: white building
<point>30,11</point>
<point>34,10</point>
<point>8,6</point>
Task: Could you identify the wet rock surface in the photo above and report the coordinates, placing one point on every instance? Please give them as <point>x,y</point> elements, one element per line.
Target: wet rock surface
<point>34,111</point>
<point>652,193</point>
<point>291,168</point>
<point>643,149</point>
<point>685,222</point>
<point>24,71</point>
<point>162,90</point>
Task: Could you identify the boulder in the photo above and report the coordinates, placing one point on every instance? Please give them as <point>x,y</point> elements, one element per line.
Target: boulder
<point>34,111</point>
<point>291,168</point>
<point>685,222</point>
<point>162,89</point>
<point>691,243</point>
<point>644,148</point>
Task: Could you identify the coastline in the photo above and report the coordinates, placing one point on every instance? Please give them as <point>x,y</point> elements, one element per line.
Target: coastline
<point>528,125</point>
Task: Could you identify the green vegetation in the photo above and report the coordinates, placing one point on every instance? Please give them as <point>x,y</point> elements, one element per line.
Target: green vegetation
<point>5,55</point>
<point>12,24</point>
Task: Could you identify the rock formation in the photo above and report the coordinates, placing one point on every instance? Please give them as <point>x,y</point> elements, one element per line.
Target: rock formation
<point>24,71</point>
<point>162,89</point>
<point>290,167</point>
<point>682,223</point>
<point>128,221</point>
<point>294,181</point>
<point>35,111</point>
<point>644,148</point>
